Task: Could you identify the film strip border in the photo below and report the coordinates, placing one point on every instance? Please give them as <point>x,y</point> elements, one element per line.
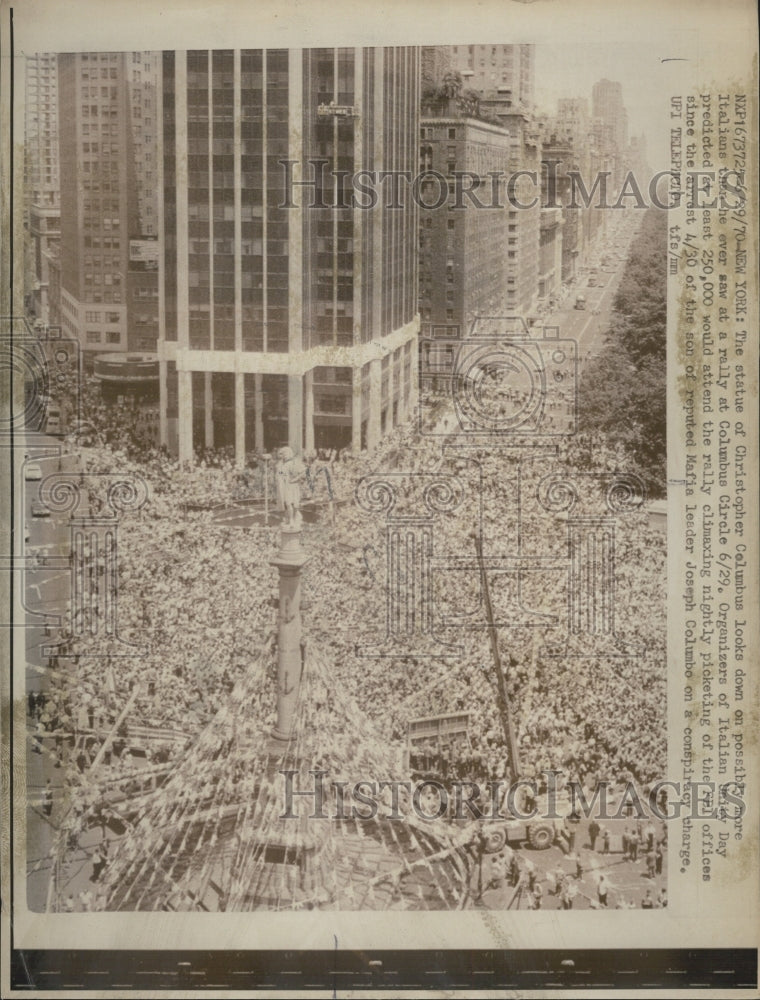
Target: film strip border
<point>190,971</point>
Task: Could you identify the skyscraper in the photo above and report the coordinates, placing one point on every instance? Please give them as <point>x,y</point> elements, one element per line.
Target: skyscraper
<point>610,122</point>
<point>43,184</point>
<point>462,247</point>
<point>97,197</point>
<point>144,250</point>
<point>509,69</point>
<point>281,322</point>
<point>572,117</point>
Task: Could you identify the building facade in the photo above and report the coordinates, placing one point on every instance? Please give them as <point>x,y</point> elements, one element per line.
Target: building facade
<point>287,314</point>
<point>108,292</point>
<point>523,223</point>
<point>463,246</point>
<point>550,253</point>
<point>610,124</point>
<point>42,174</point>
<point>509,69</point>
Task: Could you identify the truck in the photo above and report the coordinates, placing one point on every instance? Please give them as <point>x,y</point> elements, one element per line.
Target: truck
<point>539,832</point>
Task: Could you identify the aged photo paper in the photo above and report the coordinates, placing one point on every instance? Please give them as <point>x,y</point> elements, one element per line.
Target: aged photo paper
<point>379,467</point>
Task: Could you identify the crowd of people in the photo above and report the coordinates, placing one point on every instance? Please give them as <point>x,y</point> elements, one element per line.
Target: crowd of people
<point>201,597</point>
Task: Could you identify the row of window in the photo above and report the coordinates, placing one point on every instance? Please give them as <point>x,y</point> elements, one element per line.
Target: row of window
<point>98,129</point>
<point>96,317</point>
<point>107,242</point>
<point>94,110</point>
<point>106,73</point>
<point>92,92</point>
<point>106,297</point>
<point>96,337</point>
<point>93,220</point>
<point>104,279</point>
<point>100,148</point>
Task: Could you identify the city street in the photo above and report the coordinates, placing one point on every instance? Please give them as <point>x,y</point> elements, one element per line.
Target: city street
<point>588,326</point>
<point>628,880</point>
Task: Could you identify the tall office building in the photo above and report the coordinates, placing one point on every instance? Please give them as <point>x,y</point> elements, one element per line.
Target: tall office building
<point>509,69</point>
<point>98,204</point>
<point>462,249</point>
<point>610,122</point>
<point>143,80</point>
<point>144,250</point>
<point>42,175</point>
<point>573,118</point>
<point>282,323</point>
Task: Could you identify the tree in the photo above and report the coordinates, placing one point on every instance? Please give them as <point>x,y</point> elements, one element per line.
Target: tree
<point>452,84</point>
<point>469,103</point>
<point>622,392</point>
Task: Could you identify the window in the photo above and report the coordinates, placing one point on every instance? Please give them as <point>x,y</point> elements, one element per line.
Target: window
<point>93,337</point>
<point>113,337</point>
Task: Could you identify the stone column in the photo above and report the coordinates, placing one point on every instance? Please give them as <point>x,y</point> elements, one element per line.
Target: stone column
<point>375,403</point>
<point>309,411</point>
<point>356,410</point>
<point>208,411</point>
<point>289,560</point>
<point>295,412</point>
<point>185,421</point>
<point>258,413</point>
<point>163,428</point>
<point>239,419</point>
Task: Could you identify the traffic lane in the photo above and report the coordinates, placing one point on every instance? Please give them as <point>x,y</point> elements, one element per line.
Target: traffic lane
<point>584,325</point>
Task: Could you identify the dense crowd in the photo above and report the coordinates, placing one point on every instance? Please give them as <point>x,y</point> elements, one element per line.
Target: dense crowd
<point>201,596</point>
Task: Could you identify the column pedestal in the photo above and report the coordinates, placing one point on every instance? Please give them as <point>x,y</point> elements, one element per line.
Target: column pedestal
<point>289,560</point>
